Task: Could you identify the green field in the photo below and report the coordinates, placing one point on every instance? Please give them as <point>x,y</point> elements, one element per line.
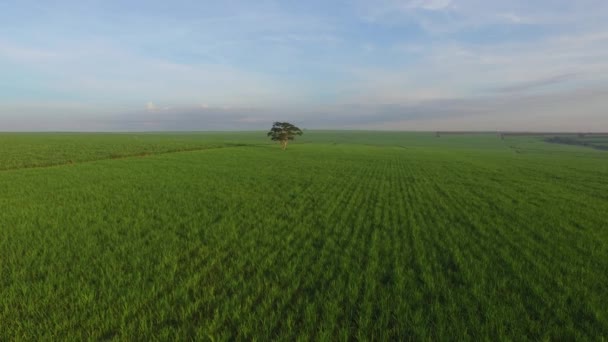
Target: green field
<point>346,235</point>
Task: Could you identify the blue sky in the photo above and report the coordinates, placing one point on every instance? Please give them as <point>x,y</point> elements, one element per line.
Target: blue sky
<point>384,64</point>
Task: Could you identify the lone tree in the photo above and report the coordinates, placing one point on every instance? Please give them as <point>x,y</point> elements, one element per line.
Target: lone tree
<point>283,132</point>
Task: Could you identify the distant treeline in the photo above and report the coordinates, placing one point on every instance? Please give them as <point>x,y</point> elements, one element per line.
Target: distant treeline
<point>507,133</point>
<point>575,141</point>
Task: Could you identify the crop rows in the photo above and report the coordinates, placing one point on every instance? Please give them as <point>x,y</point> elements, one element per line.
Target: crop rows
<point>321,242</point>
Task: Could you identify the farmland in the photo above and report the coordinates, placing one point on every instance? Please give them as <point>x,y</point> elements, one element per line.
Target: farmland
<point>346,235</point>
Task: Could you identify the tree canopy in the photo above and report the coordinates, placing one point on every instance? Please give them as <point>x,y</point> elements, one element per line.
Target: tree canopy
<point>283,132</point>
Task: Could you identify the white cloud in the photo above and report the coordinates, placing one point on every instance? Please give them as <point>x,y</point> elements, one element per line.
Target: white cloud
<point>460,70</point>
<point>104,73</point>
<point>21,53</point>
<point>515,18</point>
<point>299,61</point>
<point>151,107</point>
<point>444,18</point>
<point>431,5</point>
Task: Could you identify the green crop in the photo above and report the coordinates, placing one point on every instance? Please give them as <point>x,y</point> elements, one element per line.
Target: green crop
<point>346,235</point>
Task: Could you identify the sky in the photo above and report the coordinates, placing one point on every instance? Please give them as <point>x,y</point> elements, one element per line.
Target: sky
<point>114,65</point>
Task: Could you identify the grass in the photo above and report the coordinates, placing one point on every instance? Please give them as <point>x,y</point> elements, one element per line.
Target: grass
<point>25,150</point>
<point>346,235</point>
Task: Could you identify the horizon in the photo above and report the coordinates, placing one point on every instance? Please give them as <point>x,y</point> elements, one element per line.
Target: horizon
<point>460,132</point>
<point>388,65</point>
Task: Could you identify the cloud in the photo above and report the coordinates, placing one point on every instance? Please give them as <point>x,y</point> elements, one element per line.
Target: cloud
<point>360,63</point>
<point>480,17</point>
<point>16,52</point>
<point>184,118</point>
<point>430,5</point>
<point>539,83</point>
<point>151,107</point>
<point>517,19</point>
<point>106,73</point>
<point>302,38</point>
<point>581,110</point>
<point>460,70</point>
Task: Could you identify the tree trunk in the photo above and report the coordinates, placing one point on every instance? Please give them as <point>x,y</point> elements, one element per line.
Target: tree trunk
<point>284,144</point>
